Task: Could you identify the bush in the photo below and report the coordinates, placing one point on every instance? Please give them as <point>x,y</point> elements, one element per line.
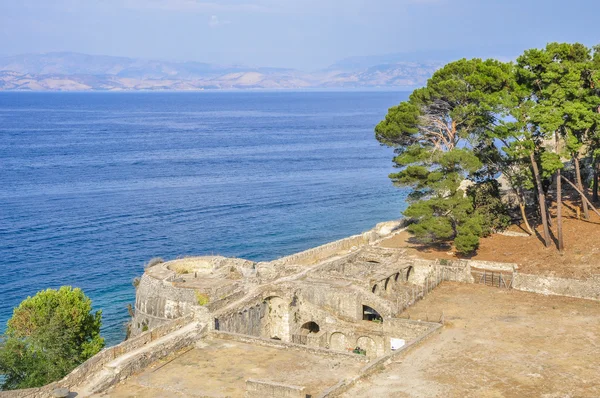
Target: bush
<point>466,243</point>
<point>49,335</point>
<point>202,298</point>
<point>489,207</point>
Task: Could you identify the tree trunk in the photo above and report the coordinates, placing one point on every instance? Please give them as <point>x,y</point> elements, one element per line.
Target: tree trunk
<point>561,245</point>
<point>524,217</point>
<point>595,191</point>
<point>541,199</point>
<point>549,217</point>
<point>583,197</point>
<point>584,206</point>
<point>518,193</point>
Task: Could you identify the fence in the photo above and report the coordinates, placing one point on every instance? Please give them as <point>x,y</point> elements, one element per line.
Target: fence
<point>299,339</point>
<point>491,278</point>
<point>415,293</point>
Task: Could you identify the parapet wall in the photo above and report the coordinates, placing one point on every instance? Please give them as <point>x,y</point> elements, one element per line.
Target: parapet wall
<point>319,253</point>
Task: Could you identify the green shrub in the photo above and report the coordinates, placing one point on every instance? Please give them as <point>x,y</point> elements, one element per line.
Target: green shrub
<point>49,335</point>
<point>202,298</point>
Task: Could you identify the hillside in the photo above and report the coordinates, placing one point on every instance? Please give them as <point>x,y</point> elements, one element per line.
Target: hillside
<point>80,72</point>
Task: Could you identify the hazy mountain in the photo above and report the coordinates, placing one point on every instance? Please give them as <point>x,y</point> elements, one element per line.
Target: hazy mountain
<point>415,57</point>
<point>73,71</point>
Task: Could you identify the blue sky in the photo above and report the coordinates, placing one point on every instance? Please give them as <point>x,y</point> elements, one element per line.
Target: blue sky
<point>305,34</point>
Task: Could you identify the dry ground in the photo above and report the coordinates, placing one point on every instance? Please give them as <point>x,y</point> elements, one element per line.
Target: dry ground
<point>219,368</point>
<point>497,343</point>
<point>580,260</point>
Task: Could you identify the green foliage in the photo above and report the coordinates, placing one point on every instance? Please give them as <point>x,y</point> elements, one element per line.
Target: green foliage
<point>49,335</point>
<point>433,135</point>
<point>478,119</point>
<point>466,242</point>
<point>550,163</point>
<point>202,299</point>
<point>492,214</point>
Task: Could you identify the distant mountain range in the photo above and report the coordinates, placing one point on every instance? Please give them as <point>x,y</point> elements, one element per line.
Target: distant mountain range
<point>65,71</point>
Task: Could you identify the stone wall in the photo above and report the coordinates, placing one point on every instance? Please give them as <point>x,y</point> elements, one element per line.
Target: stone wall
<point>319,253</point>
<point>587,289</point>
<point>247,321</point>
<point>286,345</point>
<point>269,389</point>
<point>374,366</point>
<point>157,301</point>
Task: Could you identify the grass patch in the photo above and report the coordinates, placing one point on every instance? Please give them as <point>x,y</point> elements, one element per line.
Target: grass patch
<point>202,298</point>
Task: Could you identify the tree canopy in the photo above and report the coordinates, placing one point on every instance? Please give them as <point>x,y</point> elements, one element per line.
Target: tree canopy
<point>49,335</point>
<point>435,135</point>
<point>477,120</point>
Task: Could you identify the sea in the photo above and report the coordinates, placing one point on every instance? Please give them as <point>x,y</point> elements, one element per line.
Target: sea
<point>93,185</point>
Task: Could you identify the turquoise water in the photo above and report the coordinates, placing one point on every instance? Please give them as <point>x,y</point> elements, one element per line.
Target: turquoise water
<point>95,184</point>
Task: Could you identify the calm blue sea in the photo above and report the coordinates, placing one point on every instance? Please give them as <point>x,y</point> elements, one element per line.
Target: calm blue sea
<point>92,185</point>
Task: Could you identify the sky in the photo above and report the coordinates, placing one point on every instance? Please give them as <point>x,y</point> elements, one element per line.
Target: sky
<point>302,34</point>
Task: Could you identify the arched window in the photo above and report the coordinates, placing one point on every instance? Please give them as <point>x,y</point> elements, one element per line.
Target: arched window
<point>309,327</point>
<point>370,314</point>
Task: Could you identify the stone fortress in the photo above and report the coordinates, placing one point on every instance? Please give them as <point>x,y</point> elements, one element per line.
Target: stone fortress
<point>345,302</point>
<point>338,306</point>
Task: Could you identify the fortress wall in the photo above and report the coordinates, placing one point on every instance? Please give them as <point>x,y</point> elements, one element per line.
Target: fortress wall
<point>288,346</point>
<point>319,253</point>
<point>158,301</point>
<point>547,285</point>
<point>406,329</point>
<point>344,304</point>
<point>247,321</point>
<point>316,254</point>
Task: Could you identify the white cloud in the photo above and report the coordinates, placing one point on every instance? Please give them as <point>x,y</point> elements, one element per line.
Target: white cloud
<point>214,21</point>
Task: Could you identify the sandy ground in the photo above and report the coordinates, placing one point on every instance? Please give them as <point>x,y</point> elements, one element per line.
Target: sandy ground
<point>219,368</point>
<point>581,258</point>
<point>497,343</point>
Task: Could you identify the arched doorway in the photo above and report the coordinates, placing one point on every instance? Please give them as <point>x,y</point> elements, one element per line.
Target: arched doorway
<point>370,314</point>
<point>367,344</point>
<point>309,327</point>
<point>338,341</point>
<point>275,322</point>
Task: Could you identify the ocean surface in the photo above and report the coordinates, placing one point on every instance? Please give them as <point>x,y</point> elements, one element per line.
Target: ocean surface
<point>95,184</point>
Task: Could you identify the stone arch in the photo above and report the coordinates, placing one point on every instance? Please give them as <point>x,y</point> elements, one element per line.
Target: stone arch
<point>386,286</point>
<point>309,327</point>
<point>396,276</point>
<point>410,273</point>
<point>371,314</point>
<point>275,324</point>
<point>368,344</point>
<point>338,342</point>
<point>374,289</point>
